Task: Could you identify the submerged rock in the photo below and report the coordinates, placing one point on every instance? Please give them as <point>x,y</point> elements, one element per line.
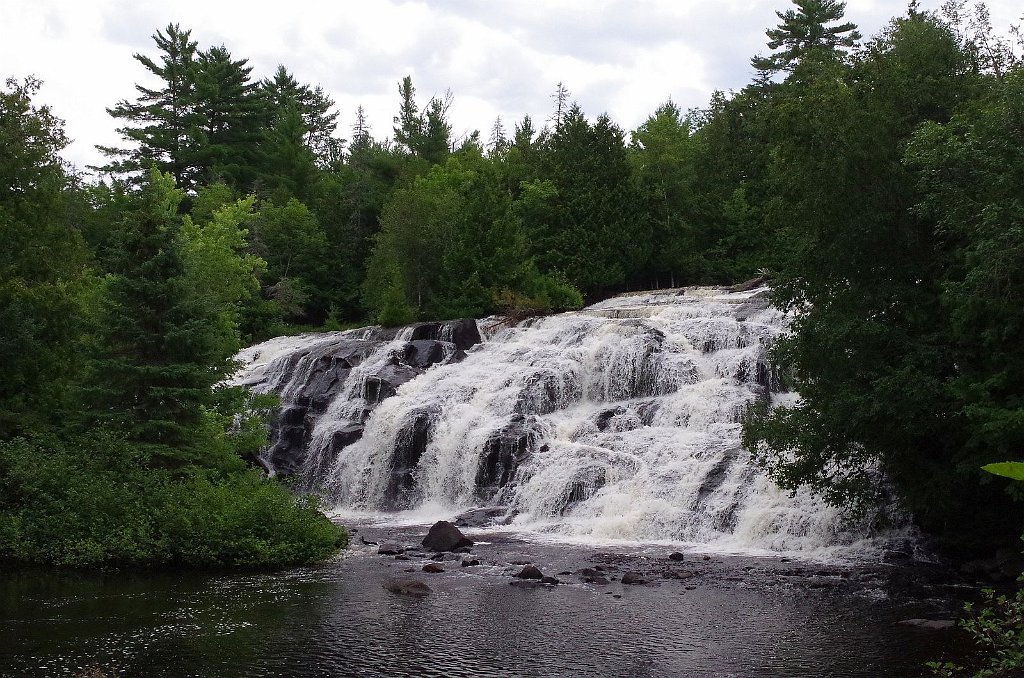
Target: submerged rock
<point>433,568</point>
<point>407,587</point>
<point>443,536</point>
<point>930,624</point>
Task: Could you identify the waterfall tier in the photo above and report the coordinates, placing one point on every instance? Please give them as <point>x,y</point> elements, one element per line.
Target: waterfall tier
<point>620,421</point>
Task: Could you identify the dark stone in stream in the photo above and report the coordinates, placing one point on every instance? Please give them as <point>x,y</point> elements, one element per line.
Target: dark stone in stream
<point>930,624</point>
<point>443,536</point>
<point>481,517</point>
<point>390,549</point>
<point>530,572</point>
<point>470,562</point>
<point>677,556</point>
<point>407,587</point>
<point>591,576</point>
<point>550,581</point>
<point>433,568</point>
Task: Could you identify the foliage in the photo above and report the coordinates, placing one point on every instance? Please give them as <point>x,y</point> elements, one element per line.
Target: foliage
<point>996,627</point>
<point>93,501</point>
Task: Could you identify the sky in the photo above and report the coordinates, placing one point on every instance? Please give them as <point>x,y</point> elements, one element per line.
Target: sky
<point>497,57</point>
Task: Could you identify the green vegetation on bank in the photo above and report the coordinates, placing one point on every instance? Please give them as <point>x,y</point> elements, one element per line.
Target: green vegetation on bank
<point>879,183</point>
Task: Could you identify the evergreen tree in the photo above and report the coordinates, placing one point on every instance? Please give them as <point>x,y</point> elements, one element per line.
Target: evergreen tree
<point>227,111</point>
<point>286,95</point>
<point>161,125</point>
<point>158,354</point>
<point>805,31</point>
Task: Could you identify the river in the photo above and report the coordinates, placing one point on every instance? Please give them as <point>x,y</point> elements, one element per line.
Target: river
<point>712,615</point>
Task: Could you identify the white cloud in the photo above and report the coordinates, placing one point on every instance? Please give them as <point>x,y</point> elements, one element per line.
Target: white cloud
<point>499,57</point>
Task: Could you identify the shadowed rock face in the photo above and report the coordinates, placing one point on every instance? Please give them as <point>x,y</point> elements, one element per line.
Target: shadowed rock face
<point>353,372</point>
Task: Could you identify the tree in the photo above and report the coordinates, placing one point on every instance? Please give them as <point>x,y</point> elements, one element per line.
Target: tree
<point>313,105</point>
<point>289,237</point>
<point>662,155</point>
<point>158,351</point>
<point>227,112</point>
<point>866,273</point>
<point>805,31</point>
<point>592,235</point>
<point>161,125</point>
<point>219,270</point>
<point>968,170</point>
<point>408,123</point>
<point>44,278</point>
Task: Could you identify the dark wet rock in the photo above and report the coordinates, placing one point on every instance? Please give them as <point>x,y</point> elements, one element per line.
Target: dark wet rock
<point>443,536</point>
<point>407,587</point>
<point>481,517</point>
<point>432,568</point>
<point>616,595</point>
<point>470,562</point>
<point>530,572</point>
<point>552,581</point>
<point>505,450</point>
<point>930,624</point>
<point>591,576</point>
<point>367,541</point>
<point>411,444</point>
<point>584,484</point>
<point>677,556</point>
<point>314,377</point>
<point>390,549</point>
<point>748,285</point>
<point>423,353</point>
<point>564,573</point>
<point>543,393</point>
<point>401,557</point>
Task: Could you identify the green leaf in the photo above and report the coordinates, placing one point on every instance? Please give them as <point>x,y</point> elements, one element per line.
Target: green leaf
<point>1008,469</point>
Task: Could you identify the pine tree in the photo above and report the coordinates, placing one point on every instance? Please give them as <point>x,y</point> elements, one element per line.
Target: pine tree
<point>804,31</point>
<point>227,113</point>
<point>161,125</point>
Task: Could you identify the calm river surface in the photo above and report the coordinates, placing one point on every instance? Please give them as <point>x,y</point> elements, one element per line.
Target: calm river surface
<point>723,616</point>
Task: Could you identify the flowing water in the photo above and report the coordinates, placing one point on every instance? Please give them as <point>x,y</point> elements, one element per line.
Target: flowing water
<point>621,421</point>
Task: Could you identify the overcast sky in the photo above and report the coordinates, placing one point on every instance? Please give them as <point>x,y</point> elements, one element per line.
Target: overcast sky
<point>498,57</point>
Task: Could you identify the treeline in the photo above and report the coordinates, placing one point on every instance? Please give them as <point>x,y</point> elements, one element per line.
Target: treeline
<point>878,182</point>
<point>421,224</point>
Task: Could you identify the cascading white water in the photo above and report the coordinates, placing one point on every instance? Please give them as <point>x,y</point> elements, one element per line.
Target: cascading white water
<point>621,421</point>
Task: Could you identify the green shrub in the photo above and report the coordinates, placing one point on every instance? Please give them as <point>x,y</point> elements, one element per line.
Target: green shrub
<point>95,500</point>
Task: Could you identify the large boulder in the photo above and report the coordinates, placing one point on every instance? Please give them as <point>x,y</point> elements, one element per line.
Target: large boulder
<point>443,536</point>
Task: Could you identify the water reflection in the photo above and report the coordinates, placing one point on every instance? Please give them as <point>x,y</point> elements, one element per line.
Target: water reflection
<point>337,620</point>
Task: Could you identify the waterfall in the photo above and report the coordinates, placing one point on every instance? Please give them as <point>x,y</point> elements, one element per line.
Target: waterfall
<point>620,421</point>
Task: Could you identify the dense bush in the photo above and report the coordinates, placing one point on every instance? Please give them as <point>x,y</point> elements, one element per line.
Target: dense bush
<point>93,501</point>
